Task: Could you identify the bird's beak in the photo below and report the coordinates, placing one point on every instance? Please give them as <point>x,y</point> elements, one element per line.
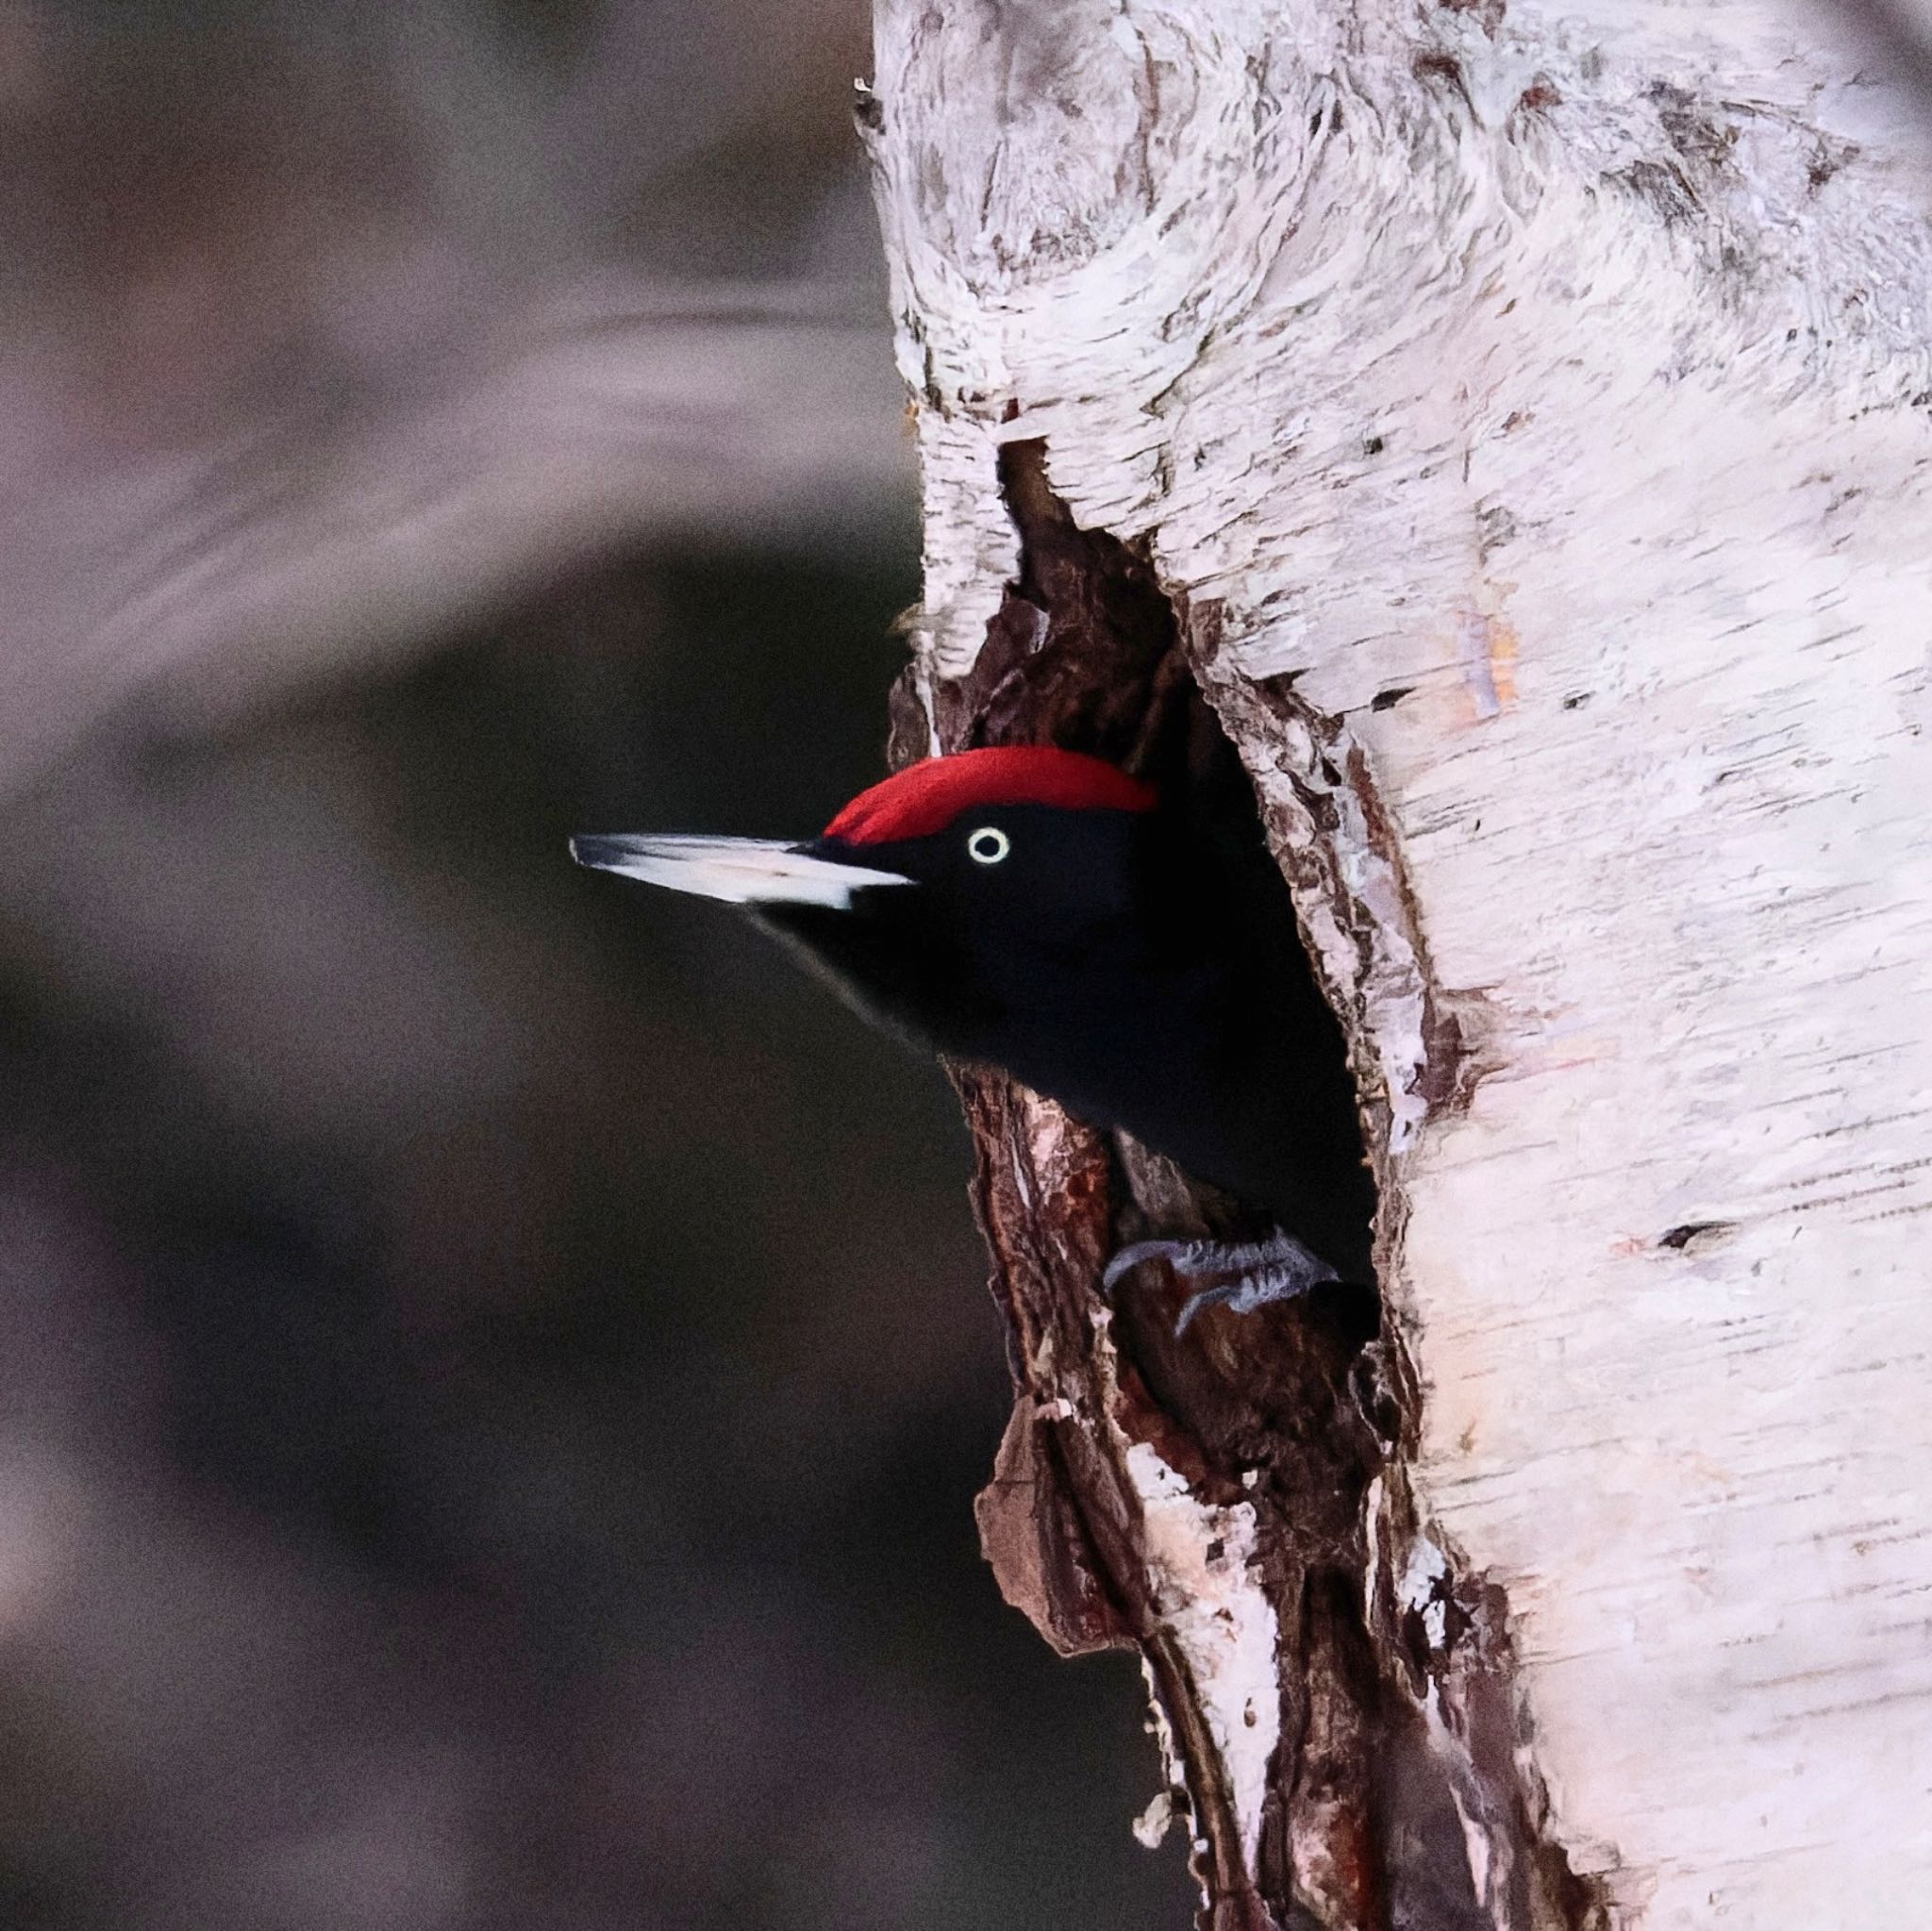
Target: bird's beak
<point>740,871</point>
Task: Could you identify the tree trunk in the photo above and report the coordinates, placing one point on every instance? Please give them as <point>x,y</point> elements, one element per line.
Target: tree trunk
<point>1512,420</point>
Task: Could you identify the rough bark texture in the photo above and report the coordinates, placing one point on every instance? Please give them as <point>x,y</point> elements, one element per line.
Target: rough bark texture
<point>1511,424</point>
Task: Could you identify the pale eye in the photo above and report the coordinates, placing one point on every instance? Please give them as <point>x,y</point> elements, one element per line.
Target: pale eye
<point>989,844</point>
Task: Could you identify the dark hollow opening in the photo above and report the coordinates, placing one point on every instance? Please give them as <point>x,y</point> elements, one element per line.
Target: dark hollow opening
<point>1298,1407</point>
<point>1087,652</point>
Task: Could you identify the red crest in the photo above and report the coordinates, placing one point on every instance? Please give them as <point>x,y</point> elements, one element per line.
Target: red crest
<point>927,796</point>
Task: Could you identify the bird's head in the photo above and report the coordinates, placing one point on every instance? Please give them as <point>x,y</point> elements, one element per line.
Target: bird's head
<point>946,898</point>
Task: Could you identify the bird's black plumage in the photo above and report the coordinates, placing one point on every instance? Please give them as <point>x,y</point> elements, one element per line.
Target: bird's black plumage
<point>1135,963</point>
<point>1143,975</point>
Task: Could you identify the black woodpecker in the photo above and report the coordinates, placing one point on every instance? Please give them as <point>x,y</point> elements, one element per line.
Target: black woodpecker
<point>1040,911</point>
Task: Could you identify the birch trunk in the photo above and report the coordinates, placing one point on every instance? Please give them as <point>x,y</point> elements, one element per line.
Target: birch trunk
<point>1513,420</point>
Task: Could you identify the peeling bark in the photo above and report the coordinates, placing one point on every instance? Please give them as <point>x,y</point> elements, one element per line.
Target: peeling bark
<point>1206,1500</point>
<point>1505,428</point>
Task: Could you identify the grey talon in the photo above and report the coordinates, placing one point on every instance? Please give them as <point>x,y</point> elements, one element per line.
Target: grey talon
<point>1254,1291</point>
<point>1276,1269</point>
<point>1194,1302</point>
<point>1128,1258</point>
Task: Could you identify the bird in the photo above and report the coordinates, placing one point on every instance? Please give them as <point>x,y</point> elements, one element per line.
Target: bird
<point>1044,912</point>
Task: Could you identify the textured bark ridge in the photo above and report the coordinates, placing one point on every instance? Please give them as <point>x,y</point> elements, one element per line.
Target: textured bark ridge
<point>1506,428</point>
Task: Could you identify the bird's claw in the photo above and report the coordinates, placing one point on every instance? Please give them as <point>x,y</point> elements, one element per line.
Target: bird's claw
<point>1180,1255</point>
<point>1257,1271</point>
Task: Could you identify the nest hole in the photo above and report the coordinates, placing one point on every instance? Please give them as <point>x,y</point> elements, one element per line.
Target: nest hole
<point>1087,652</point>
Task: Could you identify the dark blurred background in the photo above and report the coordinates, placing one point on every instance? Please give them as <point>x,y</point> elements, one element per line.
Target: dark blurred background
<point>495,1365</point>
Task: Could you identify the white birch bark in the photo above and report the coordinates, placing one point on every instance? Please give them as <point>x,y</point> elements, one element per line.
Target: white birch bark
<point>1544,390</point>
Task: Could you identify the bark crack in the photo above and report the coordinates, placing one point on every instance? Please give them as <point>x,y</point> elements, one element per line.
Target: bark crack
<point>1233,1505</point>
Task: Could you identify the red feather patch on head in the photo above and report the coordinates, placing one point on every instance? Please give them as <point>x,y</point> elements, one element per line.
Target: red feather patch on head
<point>927,796</point>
